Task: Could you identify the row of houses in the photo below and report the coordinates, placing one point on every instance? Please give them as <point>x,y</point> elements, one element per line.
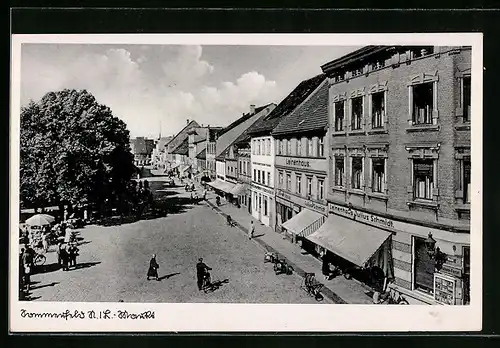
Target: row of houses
<point>368,162</point>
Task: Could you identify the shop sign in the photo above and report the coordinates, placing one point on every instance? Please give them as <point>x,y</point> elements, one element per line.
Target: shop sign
<point>359,215</point>
<point>261,188</point>
<point>318,164</point>
<point>302,202</point>
<point>453,260</point>
<point>453,271</point>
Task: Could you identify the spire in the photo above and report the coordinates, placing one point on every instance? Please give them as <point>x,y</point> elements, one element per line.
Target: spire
<point>159,134</point>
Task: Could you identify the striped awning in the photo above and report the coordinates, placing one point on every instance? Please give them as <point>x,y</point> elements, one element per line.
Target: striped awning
<point>351,240</point>
<point>304,223</point>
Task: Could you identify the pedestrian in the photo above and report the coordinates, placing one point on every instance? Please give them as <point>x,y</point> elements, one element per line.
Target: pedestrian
<point>251,230</point>
<point>72,254</point>
<point>153,268</point>
<point>58,250</point>
<point>202,273</point>
<point>205,194</point>
<point>27,258</point>
<point>192,187</point>
<point>45,243</point>
<point>64,258</point>
<point>325,266</point>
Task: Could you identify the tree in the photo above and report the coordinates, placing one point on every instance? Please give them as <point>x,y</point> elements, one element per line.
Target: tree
<point>72,150</point>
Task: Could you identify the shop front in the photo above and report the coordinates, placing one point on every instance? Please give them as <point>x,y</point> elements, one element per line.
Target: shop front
<point>424,265</point>
<point>262,201</point>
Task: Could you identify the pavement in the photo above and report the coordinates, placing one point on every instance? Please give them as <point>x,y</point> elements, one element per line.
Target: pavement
<point>113,261</point>
<point>338,289</point>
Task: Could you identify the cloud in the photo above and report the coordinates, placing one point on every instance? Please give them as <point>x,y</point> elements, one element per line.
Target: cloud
<point>145,86</point>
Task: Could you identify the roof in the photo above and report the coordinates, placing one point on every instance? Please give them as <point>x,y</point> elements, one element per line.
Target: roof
<point>311,115</point>
<point>181,136</point>
<point>162,141</point>
<point>201,147</point>
<point>213,132</point>
<point>182,149</point>
<point>245,138</point>
<point>235,129</point>
<point>202,155</point>
<point>141,145</point>
<point>223,155</point>
<point>353,57</point>
<point>287,105</point>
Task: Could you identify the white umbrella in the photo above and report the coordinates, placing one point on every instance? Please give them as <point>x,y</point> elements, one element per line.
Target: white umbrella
<point>40,220</point>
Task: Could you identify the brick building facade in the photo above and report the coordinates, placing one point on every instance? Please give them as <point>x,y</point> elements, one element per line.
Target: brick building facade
<point>400,159</point>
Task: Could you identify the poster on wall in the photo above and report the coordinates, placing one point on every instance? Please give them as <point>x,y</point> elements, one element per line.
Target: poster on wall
<point>444,289</point>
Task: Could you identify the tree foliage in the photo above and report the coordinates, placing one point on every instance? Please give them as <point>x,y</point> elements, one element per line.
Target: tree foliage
<point>72,150</point>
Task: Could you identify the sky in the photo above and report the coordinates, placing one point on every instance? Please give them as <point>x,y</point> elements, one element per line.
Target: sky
<point>156,88</point>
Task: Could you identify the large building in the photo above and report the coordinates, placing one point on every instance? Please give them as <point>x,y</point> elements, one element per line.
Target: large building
<point>399,167</point>
<point>197,140</point>
<point>211,144</point>
<point>263,152</point>
<point>302,166</point>
<point>226,161</point>
<point>142,149</point>
<point>176,141</point>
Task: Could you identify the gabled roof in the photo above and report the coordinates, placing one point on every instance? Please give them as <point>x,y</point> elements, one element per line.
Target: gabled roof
<point>179,137</point>
<point>235,129</point>
<point>141,145</point>
<point>182,149</point>
<point>202,155</point>
<point>311,115</point>
<point>294,99</point>
<point>162,141</point>
<point>201,147</point>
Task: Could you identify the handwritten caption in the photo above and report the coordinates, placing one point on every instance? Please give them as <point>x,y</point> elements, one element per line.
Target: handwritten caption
<point>106,314</point>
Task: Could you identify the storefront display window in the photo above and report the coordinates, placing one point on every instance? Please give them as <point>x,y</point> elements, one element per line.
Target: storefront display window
<point>423,267</point>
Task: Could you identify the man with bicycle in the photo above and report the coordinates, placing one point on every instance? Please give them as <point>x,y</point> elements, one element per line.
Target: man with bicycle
<point>202,273</point>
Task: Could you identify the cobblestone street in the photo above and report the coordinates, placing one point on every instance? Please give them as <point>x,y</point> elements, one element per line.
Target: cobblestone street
<point>114,260</point>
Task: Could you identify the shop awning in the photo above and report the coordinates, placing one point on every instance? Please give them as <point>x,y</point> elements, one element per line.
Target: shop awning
<point>351,240</point>
<point>222,185</point>
<point>239,189</point>
<point>304,223</point>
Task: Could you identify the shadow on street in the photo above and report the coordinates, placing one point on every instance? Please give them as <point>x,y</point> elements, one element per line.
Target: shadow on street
<point>168,276</point>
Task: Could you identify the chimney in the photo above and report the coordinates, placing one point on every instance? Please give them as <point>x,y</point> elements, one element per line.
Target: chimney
<point>252,109</point>
<point>187,121</point>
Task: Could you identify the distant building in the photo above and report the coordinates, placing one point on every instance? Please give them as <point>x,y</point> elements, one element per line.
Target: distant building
<point>159,158</point>
<point>177,140</point>
<point>142,149</point>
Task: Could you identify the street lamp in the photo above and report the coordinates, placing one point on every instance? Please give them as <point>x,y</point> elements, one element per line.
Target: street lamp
<point>434,252</point>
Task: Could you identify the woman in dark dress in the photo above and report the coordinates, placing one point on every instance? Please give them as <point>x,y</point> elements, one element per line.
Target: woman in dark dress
<point>153,268</point>
<point>325,266</point>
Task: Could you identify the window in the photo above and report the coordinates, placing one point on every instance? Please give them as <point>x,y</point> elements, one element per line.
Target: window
<point>339,171</point>
<point>288,181</point>
<point>253,147</point>
<point>280,179</point>
<point>321,147</point>
<point>263,178</point>
<point>289,147</point>
<point>268,178</point>
<point>280,148</point>
<point>378,174</point>
<point>466,98</point>
<point>378,109</point>
<point>298,181</point>
<point>357,113</point>
<point>309,186</point>
<point>248,168</point>
<point>268,146</point>
<point>423,179</point>
<point>321,188</point>
<point>424,267</point>
<point>299,147</point>
<point>241,166</point>
<point>357,172</point>
<point>423,98</point>
<point>265,205</point>
<point>310,147</point>
<point>254,175</point>
<point>466,180</point>
<point>339,116</point>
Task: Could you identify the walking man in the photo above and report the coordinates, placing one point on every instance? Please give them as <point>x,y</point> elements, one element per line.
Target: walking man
<point>251,230</point>
<point>205,194</point>
<point>153,268</point>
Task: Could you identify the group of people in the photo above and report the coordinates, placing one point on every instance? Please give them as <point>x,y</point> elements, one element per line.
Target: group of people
<point>66,255</point>
<point>202,274</point>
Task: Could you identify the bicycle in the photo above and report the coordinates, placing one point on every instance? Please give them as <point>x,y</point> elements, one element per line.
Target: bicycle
<point>282,267</point>
<point>313,286</point>
<point>271,257</point>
